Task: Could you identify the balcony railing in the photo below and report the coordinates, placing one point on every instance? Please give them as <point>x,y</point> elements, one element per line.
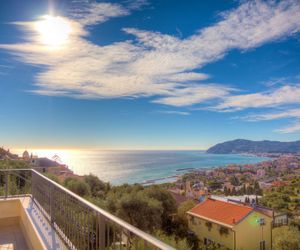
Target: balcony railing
<point>79,223</point>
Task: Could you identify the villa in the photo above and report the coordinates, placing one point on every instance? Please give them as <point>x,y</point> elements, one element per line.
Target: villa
<point>232,225</point>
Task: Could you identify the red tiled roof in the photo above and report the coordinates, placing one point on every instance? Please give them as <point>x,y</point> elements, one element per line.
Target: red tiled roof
<point>279,183</point>
<point>221,211</point>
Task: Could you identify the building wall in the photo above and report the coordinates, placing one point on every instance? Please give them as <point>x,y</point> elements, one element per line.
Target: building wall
<point>13,213</point>
<point>198,225</point>
<point>249,233</point>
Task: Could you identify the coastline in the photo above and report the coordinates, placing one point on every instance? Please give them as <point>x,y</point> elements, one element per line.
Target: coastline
<point>174,178</point>
<point>145,167</point>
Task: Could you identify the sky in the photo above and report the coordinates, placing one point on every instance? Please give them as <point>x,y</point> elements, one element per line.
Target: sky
<point>148,74</point>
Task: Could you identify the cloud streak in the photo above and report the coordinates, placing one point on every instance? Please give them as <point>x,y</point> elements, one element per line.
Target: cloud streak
<point>290,129</point>
<point>173,112</point>
<point>87,13</point>
<point>288,94</point>
<point>292,113</point>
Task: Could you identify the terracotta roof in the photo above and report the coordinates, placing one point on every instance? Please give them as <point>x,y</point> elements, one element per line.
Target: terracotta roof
<point>279,183</point>
<point>221,211</point>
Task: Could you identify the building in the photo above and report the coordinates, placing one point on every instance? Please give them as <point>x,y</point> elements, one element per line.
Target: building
<point>26,155</point>
<point>231,225</point>
<point>280,219</point>
<point>261,173</point>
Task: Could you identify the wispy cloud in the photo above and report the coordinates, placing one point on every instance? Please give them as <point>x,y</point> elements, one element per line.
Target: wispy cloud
<point>173,112</point>
<point>290,129</point>
<point>6,66</point>
<point>280,96</point>
<point>192,94</point>
<point>155,64</point>
<point>292,113</point>
<point>275,81</point>
<point>5,69</point>
<point>87,13</point>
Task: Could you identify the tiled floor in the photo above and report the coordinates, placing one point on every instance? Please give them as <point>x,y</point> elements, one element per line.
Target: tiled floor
<point>11,238</point>
<point>46,232</point>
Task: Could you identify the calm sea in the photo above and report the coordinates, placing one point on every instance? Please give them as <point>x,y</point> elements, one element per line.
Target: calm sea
<point>120,167</point>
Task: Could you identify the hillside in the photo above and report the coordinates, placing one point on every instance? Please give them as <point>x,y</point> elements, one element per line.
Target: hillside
<point>246,146</point>
<point>6,154</point>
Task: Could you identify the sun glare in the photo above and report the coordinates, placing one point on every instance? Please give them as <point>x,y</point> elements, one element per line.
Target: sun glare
<point>54,30</point>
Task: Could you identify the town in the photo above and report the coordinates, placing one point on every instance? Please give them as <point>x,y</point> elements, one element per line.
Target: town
<point>212,207</point>
<point>271,188</point>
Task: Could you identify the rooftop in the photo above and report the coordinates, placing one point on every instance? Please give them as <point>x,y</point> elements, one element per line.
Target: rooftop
<point>221,212</point>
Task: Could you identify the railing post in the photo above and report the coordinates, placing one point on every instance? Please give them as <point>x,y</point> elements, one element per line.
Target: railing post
<point>51,204</point>
<point>101,232</point>
<point>6,184</point>
<point>32,185</point>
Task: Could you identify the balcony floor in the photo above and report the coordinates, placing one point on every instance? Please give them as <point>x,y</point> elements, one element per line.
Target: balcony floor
<point>11,238</point>
<point>46,232</point>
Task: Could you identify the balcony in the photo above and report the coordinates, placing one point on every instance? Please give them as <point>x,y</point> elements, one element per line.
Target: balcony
<point>38,213</point>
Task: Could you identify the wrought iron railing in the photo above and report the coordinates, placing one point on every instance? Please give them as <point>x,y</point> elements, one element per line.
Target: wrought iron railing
<point>79,223</point>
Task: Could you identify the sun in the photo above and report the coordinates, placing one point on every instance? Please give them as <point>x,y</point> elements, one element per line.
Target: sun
<point>54,31</point>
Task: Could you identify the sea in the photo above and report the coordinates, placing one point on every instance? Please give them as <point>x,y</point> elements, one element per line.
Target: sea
<point>146,167</point>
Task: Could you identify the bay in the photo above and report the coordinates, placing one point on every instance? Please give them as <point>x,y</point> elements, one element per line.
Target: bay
<point>120,167</point>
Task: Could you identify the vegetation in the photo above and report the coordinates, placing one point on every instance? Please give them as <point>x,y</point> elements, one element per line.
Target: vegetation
<point>13,164</point>
<point>77,186</point>
<point>98,188</point>
<point>286,238</point>
<point>285,198</point>
<point>52,177</point>
<point>153,209</point>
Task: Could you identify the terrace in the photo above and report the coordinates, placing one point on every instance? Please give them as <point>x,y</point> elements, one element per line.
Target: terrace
<point>38,213</point>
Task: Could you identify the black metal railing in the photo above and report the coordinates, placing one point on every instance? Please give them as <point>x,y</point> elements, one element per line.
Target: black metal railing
<point>79,223</point>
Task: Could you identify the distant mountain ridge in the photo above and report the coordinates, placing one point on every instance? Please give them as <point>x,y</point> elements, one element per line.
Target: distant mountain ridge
<point>251,147</point>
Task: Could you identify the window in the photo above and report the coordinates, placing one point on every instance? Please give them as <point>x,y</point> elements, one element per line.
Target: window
<point>262,245</point>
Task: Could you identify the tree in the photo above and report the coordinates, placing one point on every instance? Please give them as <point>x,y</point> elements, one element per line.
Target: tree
<point>184,207</point>
<point>247,200</point>
<point>214,185</point>
<point>167,201</point>
<point>233,192</point>
<point>244,190</point>
<point>97,187</point>
<point>286,238</point>
<point>226,191</point>
<point>140,211</point>
<point>234,181</point>
<point>249,190</point>
<point>180,244</point>
<point>53,177</point>
<point>77,186</point>
<point>148,208</point>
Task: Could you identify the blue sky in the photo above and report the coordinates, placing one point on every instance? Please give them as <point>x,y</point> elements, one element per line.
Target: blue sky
<point>148,74</point>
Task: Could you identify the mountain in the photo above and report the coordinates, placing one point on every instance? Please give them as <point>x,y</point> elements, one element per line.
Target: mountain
<point>246,146</point>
